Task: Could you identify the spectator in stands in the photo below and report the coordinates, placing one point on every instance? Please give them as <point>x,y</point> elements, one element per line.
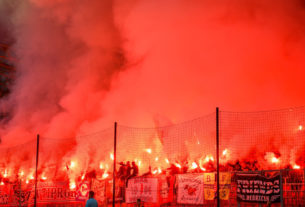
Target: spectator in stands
<point>173,169</point>
<point>91,202</point>
<point>135,169</point>
<point>135,172</point>
<point>128,169</point>
<point>121,172</point>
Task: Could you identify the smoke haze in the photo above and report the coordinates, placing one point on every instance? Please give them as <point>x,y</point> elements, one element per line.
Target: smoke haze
<point>83,65</point>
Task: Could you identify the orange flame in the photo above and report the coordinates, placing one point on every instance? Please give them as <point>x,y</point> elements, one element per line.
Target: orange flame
<point>209,158</point>
<point>5,174</point>
<point>194,165</point>
<point>178,165</point>
<point>159,170</point>
<point>72,185</point>
<point>297,167</point>
<point>148,150</point>
<point>275,160</point>
<point>105,175</point>
<point>72,164</point>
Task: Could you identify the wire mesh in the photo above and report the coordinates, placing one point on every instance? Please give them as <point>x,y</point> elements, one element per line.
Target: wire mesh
<point>181,147</point>
<point>18,161</point>
<point>78,157</point>
<point>262,140</point>
<point>249,142</point>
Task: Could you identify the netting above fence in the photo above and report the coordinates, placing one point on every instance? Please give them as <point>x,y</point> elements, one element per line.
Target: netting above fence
<point>187,146</point>
<point>262,140</point>
<point>18,162</point>
<point>77,158</point>
<point>248,142</point>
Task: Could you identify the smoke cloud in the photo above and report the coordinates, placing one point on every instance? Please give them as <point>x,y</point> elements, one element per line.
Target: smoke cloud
<point>83,65</point>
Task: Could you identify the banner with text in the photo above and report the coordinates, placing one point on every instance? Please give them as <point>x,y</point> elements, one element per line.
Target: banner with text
<point>57,193</point>
<point>209,186</point>
<point>224,185</point>
<point>257,188</point>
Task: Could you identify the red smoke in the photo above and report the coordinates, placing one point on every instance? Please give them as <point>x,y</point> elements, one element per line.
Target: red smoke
<point>82,66</point>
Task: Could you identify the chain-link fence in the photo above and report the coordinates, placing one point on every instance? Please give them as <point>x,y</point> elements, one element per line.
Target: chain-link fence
<point>161,165</point>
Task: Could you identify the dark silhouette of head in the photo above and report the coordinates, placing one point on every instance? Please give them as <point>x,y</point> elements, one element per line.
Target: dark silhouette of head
<point>91,194</point>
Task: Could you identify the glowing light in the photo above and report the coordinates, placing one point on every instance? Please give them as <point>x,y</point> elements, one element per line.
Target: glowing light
<point>194,165</point>
<point>224,152</point>
<point>209,158</point>
<point>31,177</point>
<point>148,150</point>
<point>43,177</point>
<point>202,168</point>
<point>5,174</point>
<point>72,185</point>
<point>83,176</point>
<point>21,173</point>
<point>275,160</point>
<point>139,163</point>
<point>198,142</point>
<point>159,170</point>
<point>105,175</point>
<point>300,127</point>
<point>101,166</point>
<point>156,159</point>
<point>111,156</point>
<point>2,183</point>
<point>72,164</point>
<point>166,160</point>
<point>27,181</point>
<point>154,172</point>
<point>178,165</point>
<point>296,167</point>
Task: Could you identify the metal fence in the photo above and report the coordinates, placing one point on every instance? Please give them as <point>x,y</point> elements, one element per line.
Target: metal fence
<point>262,142</point>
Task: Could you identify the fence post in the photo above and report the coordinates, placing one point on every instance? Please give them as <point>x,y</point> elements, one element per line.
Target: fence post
<point>217,155</point>
<point>114,164</point>
<point>303,187</point>
<point>37,158</point>
<point>19,185</point>
<point>281,189</point>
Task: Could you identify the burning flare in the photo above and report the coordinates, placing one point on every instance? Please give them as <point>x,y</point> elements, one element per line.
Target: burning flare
<point>148,150</point>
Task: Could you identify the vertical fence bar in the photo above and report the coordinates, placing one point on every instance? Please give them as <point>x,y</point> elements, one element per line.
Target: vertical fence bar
<point>37,159</point>
<point>217,155</point>
<point>281,188</point>
<point>114,164</point>
<point>303,203</point>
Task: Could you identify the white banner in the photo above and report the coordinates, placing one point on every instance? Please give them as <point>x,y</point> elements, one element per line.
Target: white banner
<point>190,189</point>
<point>145,189</point>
